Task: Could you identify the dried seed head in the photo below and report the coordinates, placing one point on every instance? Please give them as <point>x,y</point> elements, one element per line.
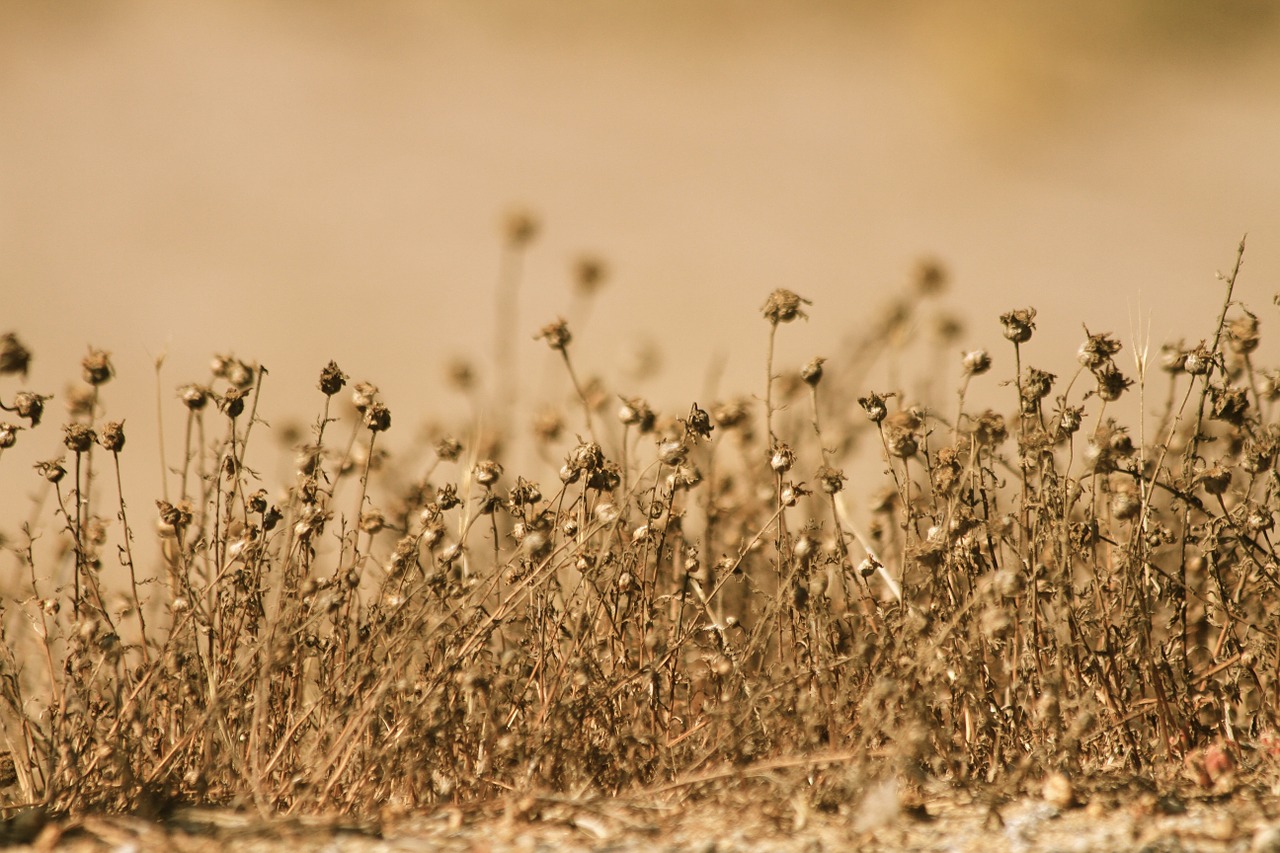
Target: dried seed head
<point>930,277</point>
<point>332,379</point>
<point>8,435</point>
<point>782,459</point>
<point>698,424</point>
<point>1097,350</point>
<point>989,430</point>
<point>1215,480</point>
<point>80,400</point>
<point>363,395</point>
<point>97,367</point>
<point>606,478</point>
<point>783,306</point>
<point>607,513</point>
<point>78,437</point>
<point>1242,333</point>
<point>1036,385</point>
<point>231,403</point>
<point>525,493</point>
<point>448,449</point>
<point>830,479</point>
<point>587,456</point>
<point>1111,383</point>
<point>1125,505</point>
<point>731,413</point>
<point>874,405</point>
<point>1199,360</point>
<point>1173,357</point>
<point>487,472</point>
<point>1019,324</point>
<point>555,334</point>
<point>51,470</point>
<point>520,228</point>
<point>377,417</point>
<point>686,476</point>
<point>194,397</point>
<point>372,520</point>
<point>790,493</point>
<point>29,405</point>
<point>672,451</point>
<point>635,411</point>
<point>14,357</point>
<point>112,436</point>
<point>1228,404</point>
<point>811,373</point>
<point>976,362</point>
<point>174,516</point>
<point>902,443</point>
<point>589,274</point>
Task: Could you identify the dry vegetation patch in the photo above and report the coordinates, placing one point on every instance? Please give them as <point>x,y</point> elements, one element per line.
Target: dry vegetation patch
<point>688,611</point>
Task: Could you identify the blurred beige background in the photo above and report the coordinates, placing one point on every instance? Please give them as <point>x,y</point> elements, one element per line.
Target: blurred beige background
<point>300,181</point>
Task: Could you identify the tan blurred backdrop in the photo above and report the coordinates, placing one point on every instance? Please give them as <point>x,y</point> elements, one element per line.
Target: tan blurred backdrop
<point>299,181</point>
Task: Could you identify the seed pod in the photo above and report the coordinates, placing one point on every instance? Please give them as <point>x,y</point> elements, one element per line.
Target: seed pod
<point>976,362</point>
<point>332,379</point>
<point>811,373</point>
<point>112,436</point>
<point>97,367</point>
<point>78,437</point>
<point>783,306</point>
<point>1019,324</point>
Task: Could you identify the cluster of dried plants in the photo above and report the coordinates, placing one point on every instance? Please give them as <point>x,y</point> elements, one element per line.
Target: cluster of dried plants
<point>690,598</point>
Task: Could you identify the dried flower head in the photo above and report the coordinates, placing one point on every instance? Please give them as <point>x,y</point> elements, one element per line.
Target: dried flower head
<point>589,274</point>
<point>363,394</point>
<point>112,436</point>
<point>332,379</point>
<point>29,405</point>
<point>1199,360</point>
<point>1228,404</point>
<point>1097,350</point>
<point>636,412</point>
<point>1036,385</point>
<point>830,479</point>
<point>1019,324</point>
<point>555,334</point>
<point>783,306</point>
<point>930,277</point>
<point>448,449</point>
<point>698,424</point>
<point>14,357</point>
<point>52,470</point>
<point>97,367</point>
<point>520,228</point>
<point>874,405</point>
<point>782,459</point>
<point>976,362</point>
<point>811,373</point>
<point>1215,480</point>
<point>377,417</point>
<point>1173,357</point>
<point>78,438</point>
<point>731,413</point>
<point>231,403</point>
<point>1111,383</point>
<point>175,516</point>
<point>487,472</point>
<point>194,397</point>
<point>460,374</point>
<point>8,435</point>
<point>1242,333</point>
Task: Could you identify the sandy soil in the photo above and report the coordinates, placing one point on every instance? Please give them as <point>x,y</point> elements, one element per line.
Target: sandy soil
<point>1126,817</point>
